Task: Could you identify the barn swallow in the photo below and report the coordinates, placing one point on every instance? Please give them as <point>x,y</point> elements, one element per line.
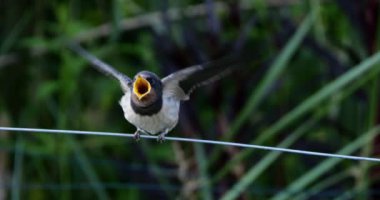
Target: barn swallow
<point>152,104</point>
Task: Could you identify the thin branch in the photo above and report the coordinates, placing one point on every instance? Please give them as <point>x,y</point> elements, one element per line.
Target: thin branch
<point>142,21</point>
<point>223,143</point>
<point>173,14</point>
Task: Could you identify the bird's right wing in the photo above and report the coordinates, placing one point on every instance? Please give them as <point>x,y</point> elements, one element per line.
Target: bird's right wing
<point>180,84</point>
<point>102,67</point>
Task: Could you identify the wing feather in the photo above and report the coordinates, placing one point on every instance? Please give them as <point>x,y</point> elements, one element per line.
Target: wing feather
<point>102,66</point>
<point>182,83</point>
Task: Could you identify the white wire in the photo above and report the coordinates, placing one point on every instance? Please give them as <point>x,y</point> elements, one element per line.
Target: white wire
<point>295,151</point>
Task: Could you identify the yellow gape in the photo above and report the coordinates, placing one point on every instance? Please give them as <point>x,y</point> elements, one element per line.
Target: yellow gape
<point>141,87</point>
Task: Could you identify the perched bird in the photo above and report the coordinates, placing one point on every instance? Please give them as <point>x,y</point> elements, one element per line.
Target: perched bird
<point>152,104</point>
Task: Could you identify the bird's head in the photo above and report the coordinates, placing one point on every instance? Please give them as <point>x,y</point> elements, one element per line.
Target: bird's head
<point>147,88</point>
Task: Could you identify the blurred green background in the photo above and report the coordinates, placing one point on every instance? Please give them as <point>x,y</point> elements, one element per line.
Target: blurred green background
<point>312,83</point>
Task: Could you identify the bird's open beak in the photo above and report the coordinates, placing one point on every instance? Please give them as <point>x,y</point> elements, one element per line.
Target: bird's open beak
<point>141,87</point>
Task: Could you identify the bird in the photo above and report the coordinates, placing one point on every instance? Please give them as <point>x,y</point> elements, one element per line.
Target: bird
<point>152,104</point>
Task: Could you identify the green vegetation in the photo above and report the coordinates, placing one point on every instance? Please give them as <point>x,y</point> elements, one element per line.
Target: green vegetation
<point>311,83</point>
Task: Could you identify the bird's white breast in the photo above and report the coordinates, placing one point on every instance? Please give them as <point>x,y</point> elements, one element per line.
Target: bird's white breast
<point>164,120</point>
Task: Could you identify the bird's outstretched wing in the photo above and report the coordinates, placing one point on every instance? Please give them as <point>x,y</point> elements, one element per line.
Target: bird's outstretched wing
<point>180,84</point>
<point>102,66</point>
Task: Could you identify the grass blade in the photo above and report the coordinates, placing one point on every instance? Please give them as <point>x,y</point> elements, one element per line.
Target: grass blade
<point>272,75</point>
<point>303,128</point>
<point>334,179</point>
<point>155,169</point>
<point>362,182</point>
<point>345,93</point>
<point>12,37</point>
<point>89,171</point>
<point>255,171</point>
<point>315,100</point>
<point>299,184</point>
<point>320,96</point>
<point>204,181</point>
<point>18,165</point>
<point>346,195</point>
<point>275,71</point>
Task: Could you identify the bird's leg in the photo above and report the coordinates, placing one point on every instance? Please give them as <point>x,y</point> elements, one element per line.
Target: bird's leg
<point>136,135</point>
<point>161,136</point>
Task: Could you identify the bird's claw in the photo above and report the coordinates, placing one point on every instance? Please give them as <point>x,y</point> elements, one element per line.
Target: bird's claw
<point>136,135</point>
<point>161,137</point>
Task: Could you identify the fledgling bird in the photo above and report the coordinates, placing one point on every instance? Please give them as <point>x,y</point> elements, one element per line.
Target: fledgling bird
<point>152,104</point>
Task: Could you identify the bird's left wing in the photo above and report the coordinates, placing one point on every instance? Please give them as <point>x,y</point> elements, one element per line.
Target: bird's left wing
<point>102,66</point>
<point>180,84</point>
